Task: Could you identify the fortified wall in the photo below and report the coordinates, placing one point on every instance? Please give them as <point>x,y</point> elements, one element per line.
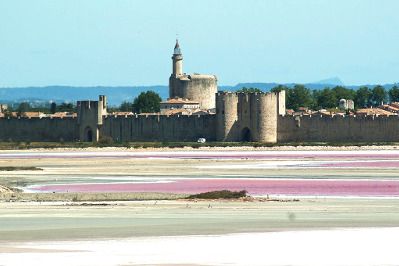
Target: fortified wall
<point>39,129</point>
<point>159,127</point>
<point>338,129</point>
<point>239,117</point>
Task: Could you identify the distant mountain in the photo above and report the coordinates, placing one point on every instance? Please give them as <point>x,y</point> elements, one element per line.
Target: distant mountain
<point>335,81</point>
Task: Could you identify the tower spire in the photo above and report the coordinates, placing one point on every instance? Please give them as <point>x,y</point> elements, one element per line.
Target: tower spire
<point>177,47</point>
<point>177,60</point>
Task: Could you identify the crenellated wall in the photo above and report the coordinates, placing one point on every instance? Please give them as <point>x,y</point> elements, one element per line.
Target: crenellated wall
<point>159,127</point>
<point>338,129</point>
<point>248,116</point>
<point>39,129</point>
<point>239,117</point>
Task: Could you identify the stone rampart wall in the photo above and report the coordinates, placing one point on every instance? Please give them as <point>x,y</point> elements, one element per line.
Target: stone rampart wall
<point>338,129</point>
<point>39,129</point>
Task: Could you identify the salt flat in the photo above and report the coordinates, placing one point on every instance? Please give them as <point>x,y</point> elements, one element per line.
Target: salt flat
<point>360,247</point>
<point>319,229</point>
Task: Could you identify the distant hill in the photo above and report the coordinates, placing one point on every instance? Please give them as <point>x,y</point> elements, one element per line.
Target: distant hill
<point>331,81</point>
<point>116,95</point>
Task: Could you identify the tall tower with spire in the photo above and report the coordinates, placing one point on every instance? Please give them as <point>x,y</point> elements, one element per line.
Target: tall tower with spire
<point>177,60</point>
<point>195,87</point>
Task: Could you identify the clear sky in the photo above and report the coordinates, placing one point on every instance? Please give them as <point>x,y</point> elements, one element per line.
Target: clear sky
<point>121,42</point>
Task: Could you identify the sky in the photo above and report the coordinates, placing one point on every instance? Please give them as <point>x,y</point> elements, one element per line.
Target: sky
<point>126,42</point>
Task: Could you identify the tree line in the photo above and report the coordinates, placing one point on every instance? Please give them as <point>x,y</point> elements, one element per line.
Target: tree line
<point>300,96</point>
<point>146,102</point>
<point>51,108</point>
<point>296,96</point>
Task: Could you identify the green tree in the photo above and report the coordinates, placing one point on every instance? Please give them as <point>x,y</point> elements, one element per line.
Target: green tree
<point>315,96</point>
<point>343,93</point>
<point>66,107</point>
<point>299,96</point>
<point>394,94</point>
<point>23,108</point>
<point>378,95</point>
<point>327,98</point>
<point>147,102</point>
<point>362,97</point>
<point>279,88</point>
<point>249,90</point>
<point>126,107</point>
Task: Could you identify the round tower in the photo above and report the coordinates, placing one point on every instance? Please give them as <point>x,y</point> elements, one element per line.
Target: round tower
<point>196,87</point>
<point>226,116</point>
<point>267,118</point>
<point>177,60</point>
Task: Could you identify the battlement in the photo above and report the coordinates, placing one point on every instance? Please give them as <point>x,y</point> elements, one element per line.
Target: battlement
<point>38,118</point>
<point>87,104</point>
<point>342,117</point>
<point>235,93</point>
<point>150,116</point>
<point>319,128</point>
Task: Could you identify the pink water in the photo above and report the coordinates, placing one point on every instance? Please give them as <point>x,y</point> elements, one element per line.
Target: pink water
<point>253,186</point>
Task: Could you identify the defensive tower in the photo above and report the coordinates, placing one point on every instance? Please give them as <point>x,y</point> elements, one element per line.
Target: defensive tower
<point>195,87</point>
<point>90,118</point>
<point>248,116</point>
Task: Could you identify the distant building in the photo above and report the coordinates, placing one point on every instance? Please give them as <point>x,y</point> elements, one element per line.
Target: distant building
<point>179,103</point>
<point>33,114</point>
<point>373,112</point>
<point>392,107</point>
<point>346,104</point>
<point>62,114</point>
<point>122,113</point>
<point>3,108</point>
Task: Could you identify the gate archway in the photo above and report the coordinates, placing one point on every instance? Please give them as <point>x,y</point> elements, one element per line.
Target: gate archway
<point>246,135</point>
<point>88,134</point>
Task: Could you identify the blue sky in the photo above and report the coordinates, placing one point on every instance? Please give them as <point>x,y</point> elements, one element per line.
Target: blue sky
<point>121,42</point>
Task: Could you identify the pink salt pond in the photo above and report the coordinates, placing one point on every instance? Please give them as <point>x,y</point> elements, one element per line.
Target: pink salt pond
<point>253,186</point>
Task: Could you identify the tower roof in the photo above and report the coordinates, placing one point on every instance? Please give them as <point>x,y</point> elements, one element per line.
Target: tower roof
<point>177,48</point>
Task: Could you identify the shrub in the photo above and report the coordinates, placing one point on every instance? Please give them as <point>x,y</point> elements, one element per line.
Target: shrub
<point>105,140</point>
<point>220,194</point>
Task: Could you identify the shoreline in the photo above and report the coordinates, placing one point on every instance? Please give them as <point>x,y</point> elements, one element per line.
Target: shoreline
<point>80,197</point>
<point>213,148</point>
